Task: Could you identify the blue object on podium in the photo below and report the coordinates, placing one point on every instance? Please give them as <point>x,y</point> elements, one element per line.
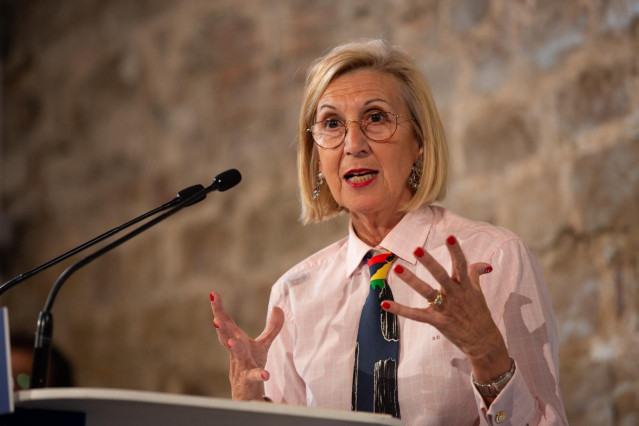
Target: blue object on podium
<point>133,408</point>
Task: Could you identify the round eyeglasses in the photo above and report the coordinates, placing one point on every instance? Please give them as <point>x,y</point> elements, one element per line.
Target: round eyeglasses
<point>378,126</point>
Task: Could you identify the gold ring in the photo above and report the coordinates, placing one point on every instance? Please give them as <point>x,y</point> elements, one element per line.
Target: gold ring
<point>438,300</point>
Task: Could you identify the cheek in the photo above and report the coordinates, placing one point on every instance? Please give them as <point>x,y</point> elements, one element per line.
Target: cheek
<point>329,165</point>
<point>399,175</point>
<point>396,165</point>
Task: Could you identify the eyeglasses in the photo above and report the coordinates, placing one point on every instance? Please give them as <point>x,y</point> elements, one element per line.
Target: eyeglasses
<point>378,126</point>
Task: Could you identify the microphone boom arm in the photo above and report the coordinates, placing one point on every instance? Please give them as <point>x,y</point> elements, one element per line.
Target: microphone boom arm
<point>80,263</point>
<point>44,328</point>
<point>186,192</point>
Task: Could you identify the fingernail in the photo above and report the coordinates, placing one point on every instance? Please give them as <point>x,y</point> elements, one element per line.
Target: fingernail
<point>399,269</point>
<point>212,297</point>
<point>451,240</point>
<point>263,375</point>
<point>215,325</point>
<point>488,270</point>
<point>385,305</point>
<point>228,343</point>
<point>419,252</point>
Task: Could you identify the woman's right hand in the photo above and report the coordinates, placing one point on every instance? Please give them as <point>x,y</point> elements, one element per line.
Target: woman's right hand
<point>248,356</point>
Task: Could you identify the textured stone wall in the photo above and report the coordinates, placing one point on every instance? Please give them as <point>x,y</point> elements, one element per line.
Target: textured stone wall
<point>110,107</point>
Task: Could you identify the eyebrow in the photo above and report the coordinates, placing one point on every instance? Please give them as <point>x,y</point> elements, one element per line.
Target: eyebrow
<point>368,102</point>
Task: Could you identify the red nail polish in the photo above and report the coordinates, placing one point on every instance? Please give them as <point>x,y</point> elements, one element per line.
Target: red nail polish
<point>385,305</point>
<point>211,297</point>
<point>228,343</point>
<point>263,375</point>
<point>399,269</point>
<point>419,252</point>
<point>488,270</point>
<point>451,240</point>
<point>215,325</point>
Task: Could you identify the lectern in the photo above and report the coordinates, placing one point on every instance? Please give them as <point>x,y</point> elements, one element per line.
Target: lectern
<point>102,407</point>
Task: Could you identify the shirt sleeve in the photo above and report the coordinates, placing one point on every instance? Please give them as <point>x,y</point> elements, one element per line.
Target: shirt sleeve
<point>284,385</point>
<point>523,312</point>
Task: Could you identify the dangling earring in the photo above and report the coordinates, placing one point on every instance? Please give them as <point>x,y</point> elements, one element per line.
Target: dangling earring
<point>317,188</point>
<point>415,177</point>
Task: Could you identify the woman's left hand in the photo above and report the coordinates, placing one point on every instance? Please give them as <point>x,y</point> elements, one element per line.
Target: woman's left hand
<point>463,316</point>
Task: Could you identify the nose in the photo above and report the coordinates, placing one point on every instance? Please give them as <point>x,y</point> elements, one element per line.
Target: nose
<point>355,141</point>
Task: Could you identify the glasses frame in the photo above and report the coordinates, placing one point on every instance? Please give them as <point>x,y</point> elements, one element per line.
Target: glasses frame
<point>361,127</point>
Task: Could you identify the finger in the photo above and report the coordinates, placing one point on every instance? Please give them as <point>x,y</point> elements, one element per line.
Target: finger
<point>273,327</point>
<point>417,314</point>
<point>240,351</point>
<point>415,283</point>
<point>264,375</point>
<point>242,357</point>
<point>478,269</point>
<point>218,308</point>
<point>223,322</point>
<point>222,330</point>
<point>221,315</point>
<point>218,322</point>
<point>257,375</point>
<point>436,270</point>
<point>460,272</point>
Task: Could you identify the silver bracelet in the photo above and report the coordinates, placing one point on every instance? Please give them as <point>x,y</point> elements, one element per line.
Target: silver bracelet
<point>492,389</point>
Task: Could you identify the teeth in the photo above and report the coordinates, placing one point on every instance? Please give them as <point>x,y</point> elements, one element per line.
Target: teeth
<point>360,178</point>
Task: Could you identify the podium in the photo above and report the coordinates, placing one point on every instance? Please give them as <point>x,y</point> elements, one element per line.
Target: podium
<point>102,407</point>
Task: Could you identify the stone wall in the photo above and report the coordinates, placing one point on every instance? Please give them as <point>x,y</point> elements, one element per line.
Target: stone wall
<point>110,108</point>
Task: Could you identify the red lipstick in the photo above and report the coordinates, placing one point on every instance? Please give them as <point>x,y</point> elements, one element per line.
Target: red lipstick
<point>358,178</point>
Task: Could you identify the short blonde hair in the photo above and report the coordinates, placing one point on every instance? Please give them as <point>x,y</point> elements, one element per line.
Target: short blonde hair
<point>375,55</point>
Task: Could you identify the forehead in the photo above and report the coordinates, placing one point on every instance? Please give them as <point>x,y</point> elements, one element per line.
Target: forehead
<point>359,87</point>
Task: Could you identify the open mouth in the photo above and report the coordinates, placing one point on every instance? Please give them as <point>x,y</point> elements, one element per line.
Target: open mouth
<point>359,176</point>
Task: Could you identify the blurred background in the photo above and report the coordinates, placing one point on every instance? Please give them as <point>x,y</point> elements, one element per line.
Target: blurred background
<point>111,107</point>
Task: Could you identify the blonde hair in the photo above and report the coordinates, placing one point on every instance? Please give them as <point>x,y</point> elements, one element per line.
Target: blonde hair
<point>375,55</point>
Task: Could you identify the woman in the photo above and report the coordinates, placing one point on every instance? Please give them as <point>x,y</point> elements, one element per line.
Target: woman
<point>477,345</point>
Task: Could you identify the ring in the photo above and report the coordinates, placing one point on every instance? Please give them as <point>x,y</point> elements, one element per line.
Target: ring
<point>438,300</point>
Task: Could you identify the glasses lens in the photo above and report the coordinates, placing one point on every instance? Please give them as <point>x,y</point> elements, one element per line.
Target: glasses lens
<point>328,133</point>
<point>376,125</point>
<point>379,125</point>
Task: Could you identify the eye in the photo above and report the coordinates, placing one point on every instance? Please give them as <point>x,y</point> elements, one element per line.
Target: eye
<point>332,124</point>
<point>376,117</point>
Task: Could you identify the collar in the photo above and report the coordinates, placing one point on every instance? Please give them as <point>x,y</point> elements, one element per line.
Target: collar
<point>411,232</point>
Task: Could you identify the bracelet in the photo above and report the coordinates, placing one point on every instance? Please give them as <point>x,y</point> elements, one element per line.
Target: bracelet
<point>491,390</point>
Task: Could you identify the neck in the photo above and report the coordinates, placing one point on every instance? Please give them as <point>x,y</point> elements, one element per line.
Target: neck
<point>372,229</point>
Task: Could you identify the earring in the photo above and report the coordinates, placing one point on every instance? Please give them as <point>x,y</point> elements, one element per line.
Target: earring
<point>316,189</point>
<point>415,177</point>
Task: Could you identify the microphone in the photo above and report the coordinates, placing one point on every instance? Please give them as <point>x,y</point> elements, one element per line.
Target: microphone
<point>181,197</point>
<point>44,328</point>
<point>225,180</point>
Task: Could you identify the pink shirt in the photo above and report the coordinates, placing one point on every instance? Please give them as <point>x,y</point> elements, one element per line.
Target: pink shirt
<point>311,361</point>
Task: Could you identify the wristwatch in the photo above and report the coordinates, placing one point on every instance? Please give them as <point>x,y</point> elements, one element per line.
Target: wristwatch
<point>492,389</point>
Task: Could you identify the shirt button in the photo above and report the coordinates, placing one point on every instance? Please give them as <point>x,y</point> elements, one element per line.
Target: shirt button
<point>500,417</point>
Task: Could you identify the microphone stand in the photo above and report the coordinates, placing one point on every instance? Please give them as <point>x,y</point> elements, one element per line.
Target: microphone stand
<point>181,196</point>
<point>44,327</point>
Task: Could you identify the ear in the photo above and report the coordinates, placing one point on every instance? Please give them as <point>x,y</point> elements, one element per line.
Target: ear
<point>420,154</point>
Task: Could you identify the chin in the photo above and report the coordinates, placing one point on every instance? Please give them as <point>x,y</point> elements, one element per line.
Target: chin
<point>364,206</point>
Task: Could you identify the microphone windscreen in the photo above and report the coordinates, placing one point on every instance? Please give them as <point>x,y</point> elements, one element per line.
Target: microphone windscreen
<point>228,179</point>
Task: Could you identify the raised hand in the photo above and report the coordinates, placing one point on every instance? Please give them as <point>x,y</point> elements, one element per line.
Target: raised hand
<point>247,356</point>
<point>458,310</point>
